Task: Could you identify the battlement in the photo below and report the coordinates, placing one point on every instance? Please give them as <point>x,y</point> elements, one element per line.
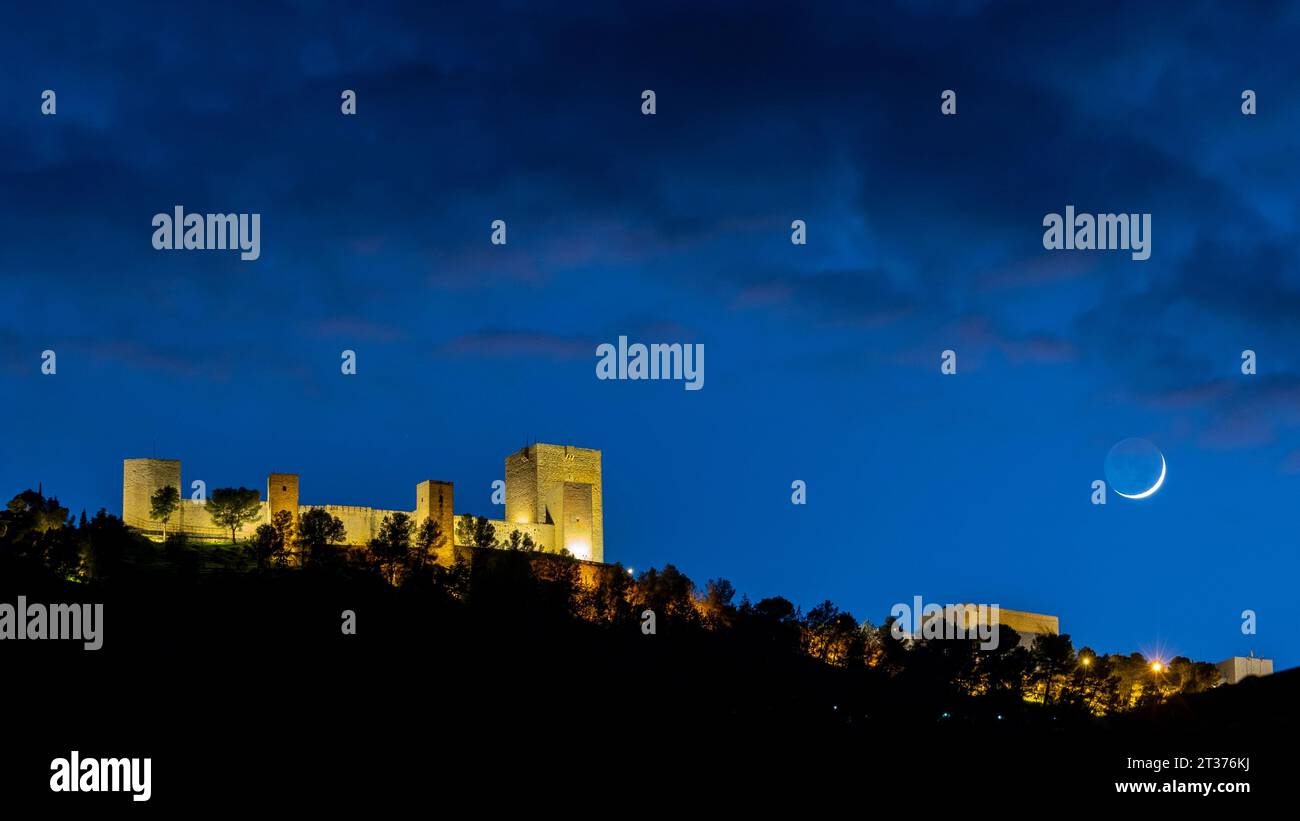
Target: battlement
<point>553,494</point>
<point>559,485</point>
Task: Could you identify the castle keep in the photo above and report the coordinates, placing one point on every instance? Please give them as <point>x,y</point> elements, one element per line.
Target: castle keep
<point>553,493</point>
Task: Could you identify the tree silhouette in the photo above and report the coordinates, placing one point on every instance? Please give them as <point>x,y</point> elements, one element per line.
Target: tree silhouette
<point>667,592</point>
<point>716,608</point>
<point>833,636</point>
<point>30,511</point>
<point>608,600</point>
<point>1006,668</point>
<point>428,541</point>
<point>265,544</point>
<point>476,531</point>
<point>163,504</point>
<point>1094,683</point>
<point>391,548</point>
<point>1053,653</point>
<point>319,531</point>
<point>769,658</point>
<point>520,541</point>
<point>233,507</point>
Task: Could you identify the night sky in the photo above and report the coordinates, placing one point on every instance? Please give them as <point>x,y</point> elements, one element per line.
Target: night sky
<point>822,361</point>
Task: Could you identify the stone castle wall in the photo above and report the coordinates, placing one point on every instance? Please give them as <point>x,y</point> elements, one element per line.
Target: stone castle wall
<point>553,494</point>
<point>544,535</point>
<point>362,523</point>
<point>194,521</point>
<point>535,492</point>
<point>1027,625</point>
<point>141,478</point>
<point>1238,668</point>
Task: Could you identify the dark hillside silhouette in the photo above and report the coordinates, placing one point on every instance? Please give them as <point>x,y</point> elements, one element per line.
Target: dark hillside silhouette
<point>536,658</point>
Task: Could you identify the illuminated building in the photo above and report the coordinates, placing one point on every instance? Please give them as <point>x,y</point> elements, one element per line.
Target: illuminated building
<point>1237,668</point>
<point>552,493</point>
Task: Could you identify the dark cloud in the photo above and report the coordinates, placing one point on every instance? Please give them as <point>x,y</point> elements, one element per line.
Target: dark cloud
<point>916,221</point>
<point>521,344</point>
<point>924,233</point>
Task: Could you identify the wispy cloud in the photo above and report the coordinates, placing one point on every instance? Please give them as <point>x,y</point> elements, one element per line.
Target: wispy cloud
<point>521,344</point>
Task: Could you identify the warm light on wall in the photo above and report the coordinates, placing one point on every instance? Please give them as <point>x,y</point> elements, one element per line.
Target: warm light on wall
<point>580,548</point>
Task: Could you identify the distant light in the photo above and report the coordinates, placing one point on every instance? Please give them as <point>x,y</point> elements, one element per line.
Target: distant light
<point>1157,666</point>
<point>631,571</point>
<point>1085,661</point>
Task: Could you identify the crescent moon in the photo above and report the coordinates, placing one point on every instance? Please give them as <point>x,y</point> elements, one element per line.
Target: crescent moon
<point>1153,488</point>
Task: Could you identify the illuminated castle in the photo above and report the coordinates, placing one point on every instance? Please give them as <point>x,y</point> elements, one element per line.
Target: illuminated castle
<point>552,494</point>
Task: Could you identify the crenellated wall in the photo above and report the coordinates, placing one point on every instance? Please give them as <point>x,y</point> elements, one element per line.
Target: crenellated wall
<point>195,521</point>
<point>553,494</point>
<point>536,479</point>
<point>362,523</point>
<point>543,535</point>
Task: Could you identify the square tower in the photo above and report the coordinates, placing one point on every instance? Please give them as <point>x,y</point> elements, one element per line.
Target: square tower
<point>141,478</point>
<point>559,485</point>
<point>282,494</point>
<point>433,500</point>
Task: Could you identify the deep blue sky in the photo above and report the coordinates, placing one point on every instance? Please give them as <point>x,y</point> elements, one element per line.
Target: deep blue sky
<point>822,362</point>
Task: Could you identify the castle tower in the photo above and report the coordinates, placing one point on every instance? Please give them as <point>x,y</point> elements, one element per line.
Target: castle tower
<point>560,485</point>
<point>141,478</point>
<point>433,501</point>
<point>282,494</point>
